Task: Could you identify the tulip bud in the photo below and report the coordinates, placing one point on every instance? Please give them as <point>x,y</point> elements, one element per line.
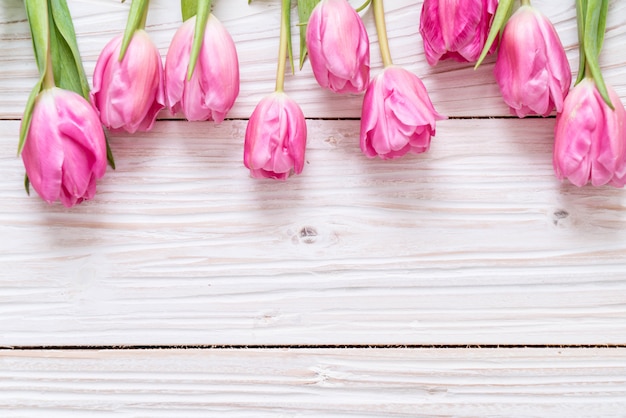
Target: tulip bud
<point>397,115</point>
<point>128,94</point>
<point>214,85</point>
<point>590,138</point>
<point>275,138</point>
<point>456,29</point>
<point>65,149</point>
<point>338,47</point>
<point>532,69</point>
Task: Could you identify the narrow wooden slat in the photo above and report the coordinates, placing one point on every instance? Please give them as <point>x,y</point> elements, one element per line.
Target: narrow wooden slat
<point>456,89</point>
<point>475,242</point>
<point>330,383</point>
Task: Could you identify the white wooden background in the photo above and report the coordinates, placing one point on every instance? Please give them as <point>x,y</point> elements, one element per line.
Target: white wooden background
<point>475,243</point>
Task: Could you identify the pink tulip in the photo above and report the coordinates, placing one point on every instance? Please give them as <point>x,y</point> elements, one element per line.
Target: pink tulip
<point>275,138</point>
<point>456,29</point>
<point>128,94</point>
<point>532,69</point>
<point>65,150</point>
<point>338,47</point>
<point>590,138</point>
<point>214,85</point>
<point>397,115</point>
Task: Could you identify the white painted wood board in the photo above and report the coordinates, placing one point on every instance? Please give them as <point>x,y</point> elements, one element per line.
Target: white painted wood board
<point>475,242</point>
<point>303,383</point>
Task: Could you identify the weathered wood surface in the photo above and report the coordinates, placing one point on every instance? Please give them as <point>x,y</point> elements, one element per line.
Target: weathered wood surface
<point>456,89</point>
<point>329,383</point>
<point>475,242</point>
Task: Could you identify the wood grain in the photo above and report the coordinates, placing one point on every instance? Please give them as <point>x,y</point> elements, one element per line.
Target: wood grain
<point>456,89</point>
<point>475,242</point>
<point>329,383</point>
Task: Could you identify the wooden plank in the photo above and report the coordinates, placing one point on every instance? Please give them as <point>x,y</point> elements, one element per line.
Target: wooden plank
<point>330,383</point>
<point>475,242</point>
<point>456,89</point>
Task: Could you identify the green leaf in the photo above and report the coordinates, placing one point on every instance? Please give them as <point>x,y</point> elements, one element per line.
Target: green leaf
<point>71,66</point>
<point>27,184</point>
<point>136,20</point>
<point>37,13</point>
<point>503,12</point>
<point>66,74</point>
<point>305,7</point>
<point>595,20</point>
<point>287,14</point>
<point>592,20</point>
<point>189,8</point>
<point>204,10</point>
<point>581,10</point>
<point>110,158</point>
<point>28,115</point>
<point>604,9</point>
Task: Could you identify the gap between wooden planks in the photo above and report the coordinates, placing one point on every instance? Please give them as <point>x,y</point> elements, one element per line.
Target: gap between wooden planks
<point>308,347</point>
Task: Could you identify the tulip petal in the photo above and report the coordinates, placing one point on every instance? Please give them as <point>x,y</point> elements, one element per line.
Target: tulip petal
<point>43,152</point>
<point>574,162</point>
<point>455,29</point>
<point>275,138</point>
<point>397,115</point>
<point>129,94</point>
<point>220,70</point>
<point>532,69</point>
<point>610,146</point>
<point>176,63</point>
<point>338,47</point>
<point>214,85</point>
<point>65,151</point>
<point>590,140</point>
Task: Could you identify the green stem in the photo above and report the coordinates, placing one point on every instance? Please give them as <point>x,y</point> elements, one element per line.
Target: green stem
<point>363,6</point>
<point>283,46</point>
<point>581,9</point>
<point>595,24</point>
<point>48,77</point>
<point>39,23</point>
<point>525,2</point>
<point>381,31</point>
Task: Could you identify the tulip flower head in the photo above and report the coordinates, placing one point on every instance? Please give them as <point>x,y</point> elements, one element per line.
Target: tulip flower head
<point>214,84</point>
<point>397,116</point>
<point>65,149</point>
<point>590,138</point>
<point>275,139</point>
<point>128,94</point>
<point>532,70</point>
<point>456,29</point>
<point>338,47</point>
